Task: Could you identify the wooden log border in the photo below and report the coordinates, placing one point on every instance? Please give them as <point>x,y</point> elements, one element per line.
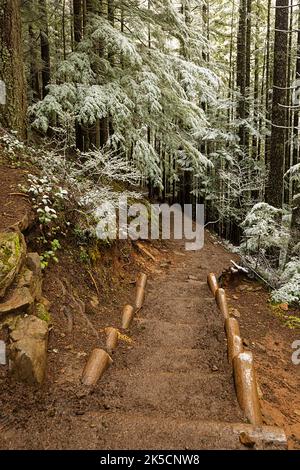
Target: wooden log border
<point>97,364</point>
<point>242,361</point>
<point>127,317</point>
<point>100,360</point>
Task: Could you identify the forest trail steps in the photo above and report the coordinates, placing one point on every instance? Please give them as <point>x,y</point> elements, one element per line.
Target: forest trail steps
<point>170,388</point>
<point>176,389</point>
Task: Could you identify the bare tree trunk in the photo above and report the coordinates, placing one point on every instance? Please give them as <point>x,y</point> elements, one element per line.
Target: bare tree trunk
<point>268,82</point>
<point>274,193</point>
<point>34,75</point>
<point>78,33</point>
<point>248,68</point>
<point>296,114</point>
<point>243,67</point>
<point>12,74</point>
<point>45,47</point>
<point>77,20</point>
<point>295,225</point>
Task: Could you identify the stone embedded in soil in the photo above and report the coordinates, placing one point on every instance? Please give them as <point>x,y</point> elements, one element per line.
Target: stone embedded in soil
<point>193,278</point>
<point>28,350</point>
<point>12,254</point>
<point>21,301</point>
<point>33,263</point>
<point>28,289</point>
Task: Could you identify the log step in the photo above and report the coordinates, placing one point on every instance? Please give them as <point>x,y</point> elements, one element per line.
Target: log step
<point>124,431</point>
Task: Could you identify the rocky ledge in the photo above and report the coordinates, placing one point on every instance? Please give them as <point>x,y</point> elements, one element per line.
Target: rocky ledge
<point>22,309</point>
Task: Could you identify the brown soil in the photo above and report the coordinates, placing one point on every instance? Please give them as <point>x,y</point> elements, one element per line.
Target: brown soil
<point>13,204</point>
<point>170,373</point>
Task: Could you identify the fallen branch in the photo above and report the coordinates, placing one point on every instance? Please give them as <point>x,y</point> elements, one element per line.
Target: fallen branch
<point>145,251</point>
<point>20,194</point>
<point>95,283</point>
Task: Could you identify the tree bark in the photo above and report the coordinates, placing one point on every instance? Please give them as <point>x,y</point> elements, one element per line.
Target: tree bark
<point>77,20</point>
<point>13,112</point>
<point>244,67</point>
<point>274,193</point>
<point>45,47</point>
<point>268,82</point>
<point>34,75</point>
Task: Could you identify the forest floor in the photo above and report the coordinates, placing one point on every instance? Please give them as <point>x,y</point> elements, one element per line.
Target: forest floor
<point>170,371</point>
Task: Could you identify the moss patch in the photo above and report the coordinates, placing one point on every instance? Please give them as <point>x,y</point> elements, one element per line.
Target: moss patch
<point>12,252</point>
<point>42,313</point>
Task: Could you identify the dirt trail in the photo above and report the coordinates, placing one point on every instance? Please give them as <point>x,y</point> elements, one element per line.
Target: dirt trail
<point>168,389</point>
<point>176,374</point>
<point>171,386</point>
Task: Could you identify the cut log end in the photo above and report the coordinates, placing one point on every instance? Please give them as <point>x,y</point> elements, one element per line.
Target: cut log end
<point>142,280</point>
<point>213,283</point>
<point>98,362</point>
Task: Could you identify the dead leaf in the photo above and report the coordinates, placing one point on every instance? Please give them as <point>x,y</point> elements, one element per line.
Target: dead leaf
<point>284,307</point>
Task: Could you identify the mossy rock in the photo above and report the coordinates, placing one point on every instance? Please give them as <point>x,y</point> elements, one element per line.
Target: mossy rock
<point>12,255</point>
<point>42,313</point>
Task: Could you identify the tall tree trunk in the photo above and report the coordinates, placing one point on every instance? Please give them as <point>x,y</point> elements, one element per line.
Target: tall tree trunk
<point>248,67</point>
<point>78,30</point>
<point>290,112</point>
<point>34,75</point>
<point>274,193</point>
<point>256,139</point>
<point>45,47</point>
<point>13,112</point>
<point>296,114</point>
<point>268,81</point>
<point>77,20</point>
<point>243,67</point>
<point>64,29</point>
<point>295,225</point>
<point>106,10</point>
<point>231,64</point>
